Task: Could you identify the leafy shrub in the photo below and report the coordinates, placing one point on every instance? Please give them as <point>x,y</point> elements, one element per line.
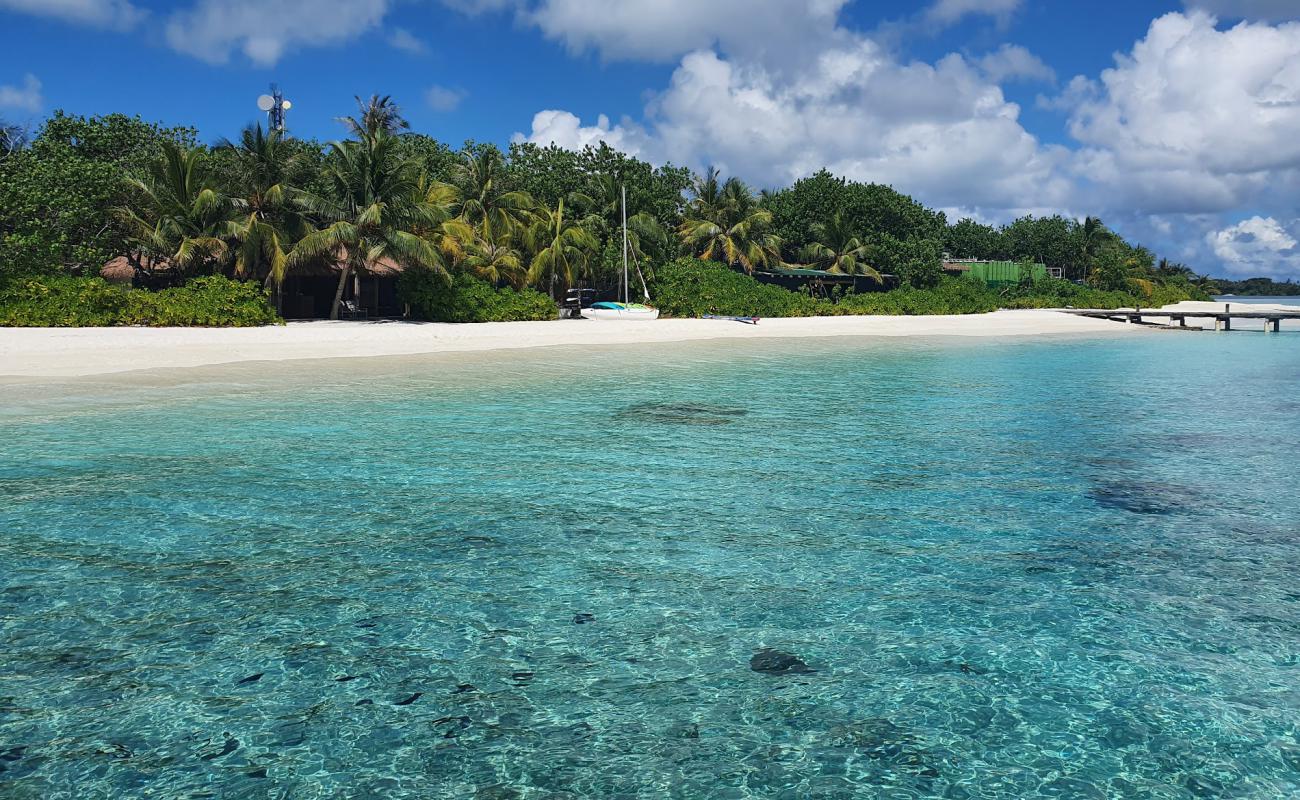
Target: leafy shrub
<point>67,302</point>
<point>693,288</point>
<point>465,298</point>
<point>1055,293</point>
<point>689,287</point>
<point>947,296</point>
<point>60,301</point>
<point>214,302</point>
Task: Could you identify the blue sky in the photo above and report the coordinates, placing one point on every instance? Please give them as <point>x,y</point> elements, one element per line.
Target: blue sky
<point>1178,121</point>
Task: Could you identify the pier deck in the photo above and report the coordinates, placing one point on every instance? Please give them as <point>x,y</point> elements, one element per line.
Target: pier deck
<point>1222,319</point>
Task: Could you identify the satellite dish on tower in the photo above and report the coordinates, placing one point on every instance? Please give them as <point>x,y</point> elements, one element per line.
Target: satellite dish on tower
<point>274,105</point>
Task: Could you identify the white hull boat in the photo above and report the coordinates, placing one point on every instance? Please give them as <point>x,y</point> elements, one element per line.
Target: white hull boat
<point>624,310</point>
<point>627,311</point>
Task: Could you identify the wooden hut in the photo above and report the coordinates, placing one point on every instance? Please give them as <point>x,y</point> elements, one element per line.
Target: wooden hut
<point>308,291</point>
<point>138,270</point>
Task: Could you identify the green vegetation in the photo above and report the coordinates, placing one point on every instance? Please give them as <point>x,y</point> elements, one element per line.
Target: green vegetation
<point>691,287</point>
<point>466,298</point>
<point>725,223</point>
<point>65,301</point>
<point>479,224</point>
<point>1256,287</point>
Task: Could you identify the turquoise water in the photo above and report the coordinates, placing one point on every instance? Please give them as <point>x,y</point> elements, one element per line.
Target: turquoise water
<point>1055,569</point>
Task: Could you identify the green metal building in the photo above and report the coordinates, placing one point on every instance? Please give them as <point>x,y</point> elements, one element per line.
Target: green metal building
<point>997,273</point>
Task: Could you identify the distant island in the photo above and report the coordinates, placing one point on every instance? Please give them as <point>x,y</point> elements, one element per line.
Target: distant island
<point>1258,287</point>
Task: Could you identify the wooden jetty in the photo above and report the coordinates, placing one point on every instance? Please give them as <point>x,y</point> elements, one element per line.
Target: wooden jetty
<point>1222,319</point>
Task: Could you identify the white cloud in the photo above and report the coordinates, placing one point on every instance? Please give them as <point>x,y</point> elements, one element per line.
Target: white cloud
<point>442,99</point>
<point>948,12</point>
<point>566,130</point>
<point>1011,62</point>
<point>1248,9</point>
<point>1256,246</point>
<point>1195,119</point>
<point>813,94</point>
<point>939,131</point>
<point>476,7</point>
<point>26,97</point>
<point>660,30</point>
<point>403,39</point>
<point>118,14</point>
<point>264,30</point>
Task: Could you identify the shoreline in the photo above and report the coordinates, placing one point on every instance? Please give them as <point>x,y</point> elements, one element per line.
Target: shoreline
<point>84,352</point>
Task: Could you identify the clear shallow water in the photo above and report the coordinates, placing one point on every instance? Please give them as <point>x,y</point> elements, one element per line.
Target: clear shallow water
<point>1019,570</point>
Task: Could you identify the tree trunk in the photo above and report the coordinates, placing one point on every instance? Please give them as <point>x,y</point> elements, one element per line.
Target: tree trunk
<point>338,293</point>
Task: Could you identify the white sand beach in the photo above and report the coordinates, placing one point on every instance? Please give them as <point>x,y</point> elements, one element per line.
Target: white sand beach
<point>70,352</point>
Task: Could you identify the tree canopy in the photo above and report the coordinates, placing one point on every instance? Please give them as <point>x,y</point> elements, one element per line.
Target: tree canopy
<point>85,190</point>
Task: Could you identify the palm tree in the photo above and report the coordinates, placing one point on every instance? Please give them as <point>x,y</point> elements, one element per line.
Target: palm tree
<point>483,200</point>
<point>451,234</point>
<point>562,249</point>
<point>647,240</point>
<point>837,250</point>
<point>268,221</point>
<point>377,114</point>
<point>1092,233</point>
<point>725,223</point>
<point>176,214</point>
<point>1206,284</point>
<point>494,259</point>
<point>374,211</point>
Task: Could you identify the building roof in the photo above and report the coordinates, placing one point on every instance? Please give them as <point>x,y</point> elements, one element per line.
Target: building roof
<point>808,273</point>
<point>383,267</point>
<point>121,270</point>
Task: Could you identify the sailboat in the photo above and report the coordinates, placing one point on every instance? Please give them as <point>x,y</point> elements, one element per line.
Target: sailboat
<point>624,310</point>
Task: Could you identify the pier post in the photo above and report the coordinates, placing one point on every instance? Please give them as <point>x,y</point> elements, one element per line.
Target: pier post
<point>1227,323</point>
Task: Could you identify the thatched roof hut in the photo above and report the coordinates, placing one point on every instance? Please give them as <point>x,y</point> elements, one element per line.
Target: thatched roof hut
<point>123,269</point>
<point>329,265</point>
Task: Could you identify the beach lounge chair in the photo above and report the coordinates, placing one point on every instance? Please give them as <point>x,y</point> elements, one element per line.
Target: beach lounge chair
<point>349,309</point>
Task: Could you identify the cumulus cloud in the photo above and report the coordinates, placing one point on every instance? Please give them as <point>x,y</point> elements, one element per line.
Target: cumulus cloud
<point>1256,246</point>
<point>1248,9</point>
<point>442,99</point>
<point>948,12</point>
<point>476,7</point>
<point>119,14</point>
<point>25,97</point>
<point>1011,62</point>
<point>566,130</point>
<point>1195,119</point>
<point>264,30</point>
<point>662,30</point>
<point>404,40</point>
<point>941,131</point>
<point>944,131</point>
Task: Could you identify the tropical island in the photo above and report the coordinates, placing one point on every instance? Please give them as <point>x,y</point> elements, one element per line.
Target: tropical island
<point>111,220</point>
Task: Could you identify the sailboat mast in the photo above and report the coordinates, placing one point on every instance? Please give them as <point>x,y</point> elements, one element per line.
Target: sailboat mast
<point>625,292</point>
